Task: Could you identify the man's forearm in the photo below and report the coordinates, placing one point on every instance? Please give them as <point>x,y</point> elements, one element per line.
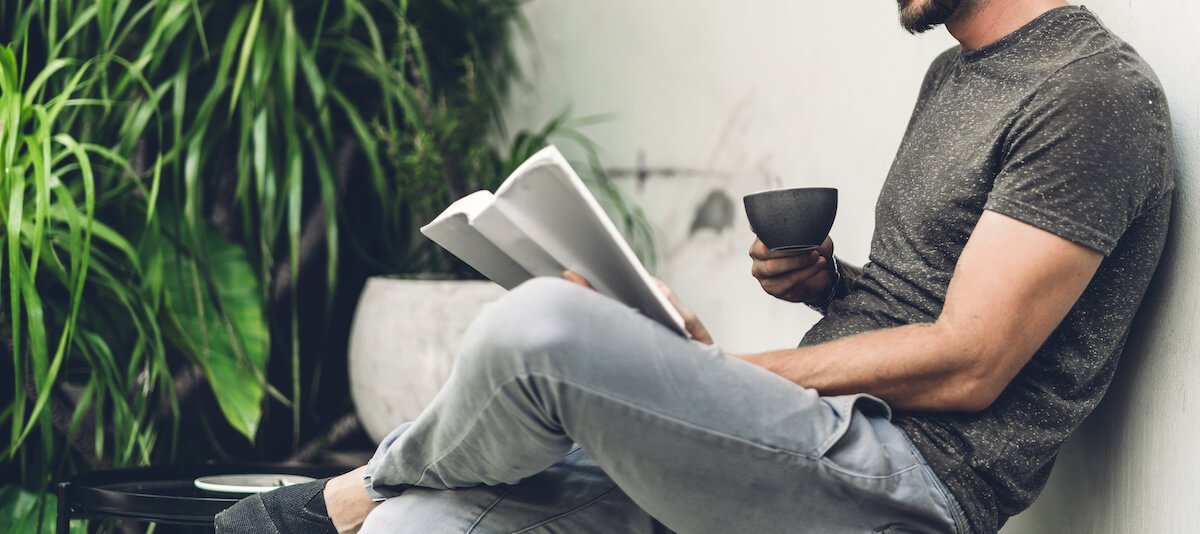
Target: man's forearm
<point>912,367</point>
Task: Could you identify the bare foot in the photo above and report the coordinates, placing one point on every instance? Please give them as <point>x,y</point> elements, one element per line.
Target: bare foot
<point>347,501</point>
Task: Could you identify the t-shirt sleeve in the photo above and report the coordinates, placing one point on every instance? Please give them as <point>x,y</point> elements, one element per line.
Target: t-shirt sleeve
<point>1088,149</point>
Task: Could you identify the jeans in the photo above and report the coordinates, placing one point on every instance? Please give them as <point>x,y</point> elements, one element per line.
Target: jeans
<point>570,412</point>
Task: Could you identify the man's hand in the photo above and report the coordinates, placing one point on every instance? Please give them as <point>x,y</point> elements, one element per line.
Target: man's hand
<point>799,276</point>
<point>691,322</point>
<point>347,502</point>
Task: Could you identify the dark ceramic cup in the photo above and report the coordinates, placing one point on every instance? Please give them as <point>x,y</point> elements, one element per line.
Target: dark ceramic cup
<point>792,219</point>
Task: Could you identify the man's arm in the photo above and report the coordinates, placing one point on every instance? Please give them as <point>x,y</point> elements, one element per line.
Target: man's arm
<point>1012,286</point>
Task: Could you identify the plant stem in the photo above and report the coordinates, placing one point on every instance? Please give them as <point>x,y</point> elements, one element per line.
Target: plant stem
<point>339,430</point>
<point>313,234</point>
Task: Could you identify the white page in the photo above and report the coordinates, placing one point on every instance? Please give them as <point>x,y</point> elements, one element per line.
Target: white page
<point>552,206</point>
<point>469,205</point>
<point>452,231</point>
<point>500,230</point>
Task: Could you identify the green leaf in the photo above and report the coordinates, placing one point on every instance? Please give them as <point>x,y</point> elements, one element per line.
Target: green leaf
<point>219,310</point>
<point>288,53</point>
<point>35,87</point>
<point>295,196</point>
<point>22,511</point>
<point>244,61</point>
<point>15,284</point>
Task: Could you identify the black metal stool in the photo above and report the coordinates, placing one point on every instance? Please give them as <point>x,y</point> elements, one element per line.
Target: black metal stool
<point>165,495</point>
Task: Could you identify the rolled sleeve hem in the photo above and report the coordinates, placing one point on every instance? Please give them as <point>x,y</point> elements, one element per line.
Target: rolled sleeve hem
<point>380,494</point>
<point>383,491</point>
<point>1053,222</point>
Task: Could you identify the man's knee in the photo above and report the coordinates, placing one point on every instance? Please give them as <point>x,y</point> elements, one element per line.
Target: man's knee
<point>539,323</point>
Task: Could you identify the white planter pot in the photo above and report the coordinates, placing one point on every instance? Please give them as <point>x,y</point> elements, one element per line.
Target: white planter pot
<point>403,343</point>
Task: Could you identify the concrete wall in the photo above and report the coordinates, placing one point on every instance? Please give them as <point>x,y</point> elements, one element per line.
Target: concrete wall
<point>735,97</point>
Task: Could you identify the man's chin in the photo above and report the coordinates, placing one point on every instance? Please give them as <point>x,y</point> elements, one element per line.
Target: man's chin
<point>920,16</point>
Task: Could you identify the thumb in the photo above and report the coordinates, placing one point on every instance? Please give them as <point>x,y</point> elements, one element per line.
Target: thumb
<point>576,278</point>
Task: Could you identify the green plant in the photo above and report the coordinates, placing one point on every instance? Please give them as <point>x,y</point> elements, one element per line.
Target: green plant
<point>28,512</point>
<point>107,292</point>
<point>169,170</point>
<point>440,121</point>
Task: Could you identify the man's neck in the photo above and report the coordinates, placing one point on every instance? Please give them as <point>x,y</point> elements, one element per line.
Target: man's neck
<point>985,22</point>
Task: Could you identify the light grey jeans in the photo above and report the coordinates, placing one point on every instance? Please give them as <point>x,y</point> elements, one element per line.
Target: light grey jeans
<point>569,412</point>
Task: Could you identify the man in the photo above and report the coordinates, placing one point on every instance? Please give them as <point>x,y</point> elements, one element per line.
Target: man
<point>1017,232</point>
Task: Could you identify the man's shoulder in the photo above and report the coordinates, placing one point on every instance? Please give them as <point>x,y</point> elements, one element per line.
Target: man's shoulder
<point>938,68</point>
<point>1107,79</point>
<point>945,60</point>
<point>1091,59</point>
<point>1119,68</point>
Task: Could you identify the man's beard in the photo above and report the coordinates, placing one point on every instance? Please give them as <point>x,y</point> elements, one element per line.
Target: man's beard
<point>927,14</point>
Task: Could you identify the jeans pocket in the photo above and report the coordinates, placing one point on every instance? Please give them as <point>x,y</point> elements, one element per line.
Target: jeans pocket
<point>844,407</point>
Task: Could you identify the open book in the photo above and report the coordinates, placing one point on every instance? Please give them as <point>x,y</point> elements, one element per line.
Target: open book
<point>541,221</point>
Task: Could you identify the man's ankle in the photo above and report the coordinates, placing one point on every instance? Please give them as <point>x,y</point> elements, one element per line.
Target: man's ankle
<point>347,501</point>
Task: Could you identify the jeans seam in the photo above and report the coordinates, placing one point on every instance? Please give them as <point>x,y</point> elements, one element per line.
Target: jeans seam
<point>737,439</point>
<point>673,419</point>
<point>818,460</point>
<point>489,508</point>
<point>582,506</point>
<point>517,378</point>
<point>469,426</point>
<point>833,466</point>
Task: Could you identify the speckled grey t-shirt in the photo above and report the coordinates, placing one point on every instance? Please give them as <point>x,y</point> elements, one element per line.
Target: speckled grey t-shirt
<point>1060,125</point>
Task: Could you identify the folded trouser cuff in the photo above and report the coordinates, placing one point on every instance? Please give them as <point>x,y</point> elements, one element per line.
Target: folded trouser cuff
<point>382,491</point>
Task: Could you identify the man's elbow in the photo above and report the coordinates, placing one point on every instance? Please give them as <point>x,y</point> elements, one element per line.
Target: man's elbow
<point>982,367</point>
<point>975,399</point>
<point>980,385</point>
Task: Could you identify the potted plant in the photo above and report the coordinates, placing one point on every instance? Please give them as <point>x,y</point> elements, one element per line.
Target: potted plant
<point>453,142</point>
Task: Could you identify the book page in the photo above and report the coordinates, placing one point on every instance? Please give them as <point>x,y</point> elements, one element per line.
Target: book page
<point>552,206</point>
<point>469,205</point>
<point>500,230</point>
<point>453,231</point>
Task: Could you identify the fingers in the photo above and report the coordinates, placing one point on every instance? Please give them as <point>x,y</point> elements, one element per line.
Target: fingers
<point>671,297</point>
<point>691,322</point>
<point>826,247</point>
<point>662,286</point>
<point>792,275</point>
<point>811,260</point>
<point>575,278</point>
<point>759,250</point>
<point>797,286</point>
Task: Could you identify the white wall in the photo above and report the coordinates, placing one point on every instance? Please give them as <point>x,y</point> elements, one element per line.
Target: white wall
<point>769,93</point>
<point>779,94</point>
